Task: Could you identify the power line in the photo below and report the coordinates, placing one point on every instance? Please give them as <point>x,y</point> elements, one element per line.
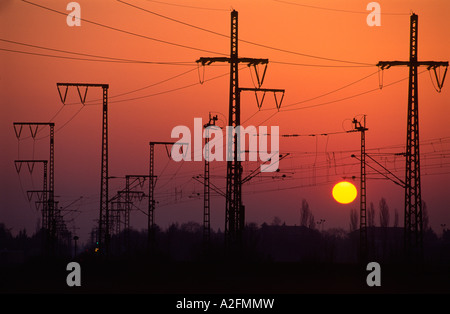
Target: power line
<point>340,99</point>
<point>332,101</point>
<point>315,134</point>
<point>63,125</point>
<point>325,103</point>
<point>331,9</point>
<point>431,142</point>
<point>59,57</point>
<point>245,41</point>
<point>333,91</point>
<point>58,129</point>
<point>127,32</point>
<point>305,55</point>
<point>154,84</point>
<point>326,182</point>
<point>137,98</point>
<point>173,20</point>
<point>95,101</point>
<point>188,6</point>
<point>328,178</point>
<point>356,64</point>
<point>304,172</point>
<point>170,90</point>
<point>101,58</point>
<point>122,94</point>
<point>318,105</point>
<point>324,178</point>
<point>321,65</point>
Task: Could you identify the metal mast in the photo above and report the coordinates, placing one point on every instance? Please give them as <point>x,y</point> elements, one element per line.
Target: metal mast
<point>103,222</point>
<point>41,194</point>
<point>49,207</point>
<point>120,206</point>
<point>129,196</point>
<point>234,210</point>
<point>413,199</point>
<point>206,187</point>
<point>362,212</point>
<point>151,192</point>
<point>104,211</point>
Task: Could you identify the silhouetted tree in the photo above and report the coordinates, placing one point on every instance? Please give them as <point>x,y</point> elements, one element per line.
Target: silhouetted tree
<point>312,222</point>
<point>191,227</point>
<point>304,213</point>
<point>276,221</point>
<point>252,226</point>
<point>395,217</point>
<point>353,220</point>
<point>252,239</point>
<point>384,213</point>
<point>425,219</point>
<point>5,236</point>
<point>371,215</point>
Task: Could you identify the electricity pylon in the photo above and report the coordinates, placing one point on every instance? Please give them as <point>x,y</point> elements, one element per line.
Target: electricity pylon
<point>206,186</point>
<point>42,196</point>
<point>361,127</point>
<point>413,235</point>
<point>50,194</point>
<point>234,209</point>
<point>103,222</point>
<point>151,191</point>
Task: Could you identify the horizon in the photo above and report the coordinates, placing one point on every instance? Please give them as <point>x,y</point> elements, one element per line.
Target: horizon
<point>321,53</point>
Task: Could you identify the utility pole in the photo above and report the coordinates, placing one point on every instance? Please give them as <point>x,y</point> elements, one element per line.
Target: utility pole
<point>234,210</point>
<point>103,222</point>
<point>413,235</point>
<point>129,195</point>
<point>151,191</point>
<point>206,187</point>
<point>50,206</point>
<point>361,127</point>
<point>120,206</point>
<point>42,197</point>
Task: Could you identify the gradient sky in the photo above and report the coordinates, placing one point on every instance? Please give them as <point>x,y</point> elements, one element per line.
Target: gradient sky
<point>327,29</point>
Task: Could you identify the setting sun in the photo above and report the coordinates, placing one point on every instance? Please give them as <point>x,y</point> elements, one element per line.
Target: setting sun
<point>344,192</point>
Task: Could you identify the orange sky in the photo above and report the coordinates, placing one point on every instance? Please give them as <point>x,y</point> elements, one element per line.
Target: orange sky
<point>28,93</point>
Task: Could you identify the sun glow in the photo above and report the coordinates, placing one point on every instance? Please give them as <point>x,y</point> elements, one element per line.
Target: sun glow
<point>344,192</point>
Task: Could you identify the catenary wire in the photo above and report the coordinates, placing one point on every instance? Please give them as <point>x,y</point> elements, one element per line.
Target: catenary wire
<point>127,32</point>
